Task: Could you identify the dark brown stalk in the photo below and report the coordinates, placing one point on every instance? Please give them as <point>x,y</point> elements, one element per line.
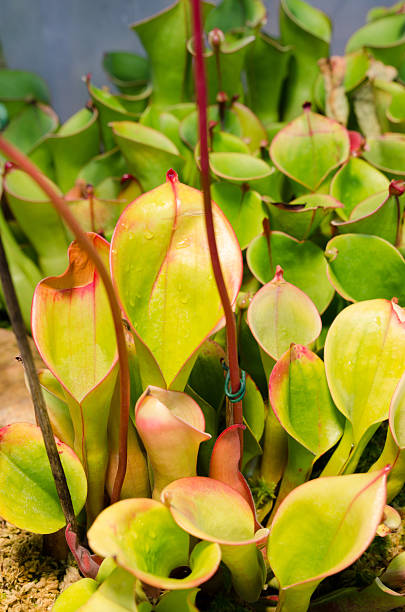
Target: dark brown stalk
<point>58,202</point>
<point>41,413</point>
<point>201,93</point>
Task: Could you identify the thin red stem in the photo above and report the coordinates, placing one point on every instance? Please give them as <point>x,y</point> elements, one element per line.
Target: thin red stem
<point>201,92</point>
<point>25,164</point>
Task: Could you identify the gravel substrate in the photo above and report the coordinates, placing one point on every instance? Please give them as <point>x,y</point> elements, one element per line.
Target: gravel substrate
<point>29,580</point>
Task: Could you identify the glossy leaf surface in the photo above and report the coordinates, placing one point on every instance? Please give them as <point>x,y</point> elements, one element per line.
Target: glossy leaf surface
<point>308,31</point>
<point>387,153</point>
<point>243,210</point>
<point>75,143</point>
<point>169,292</point>
<point>300,398</point>
<point>364,360</point>
<point>362,267</point>
<point>26,475</point>
<point>232,526</point>
<point>301,217</point>
<point>72,310</point>
<point>280,314</point>
<point>116,108</point>
<point>303,263</point>
<point>354,182</point>
<point>224,465</point>
<point>75,595</point>
<point>309,147</point>
<point>160,547</point>
<point>267,62</point>
<point>308,542</point>
<point>171,426</point>
<point>115,594</point>
<point>379,214</point>
<point>397,414</point>
<point>148,153</point>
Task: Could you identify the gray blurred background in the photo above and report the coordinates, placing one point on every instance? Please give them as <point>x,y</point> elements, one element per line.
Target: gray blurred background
<point>64,39</point>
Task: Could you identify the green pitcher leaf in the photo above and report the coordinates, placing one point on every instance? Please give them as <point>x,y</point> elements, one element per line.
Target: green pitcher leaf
<point>379,214</point>
<point>239,167</point>
<point>309,148</point>
<point>300,398</point>
<point>57,407</point>
<point>189,125</point>
<point>229,54</point>
<point>384,38</point>
<point>253,130</point>
<point>25,474</point>
<point>229,15</point>
<point>390,99</point>
<point>387,153</point>
<point>301,217</point>
<point>170,295</point>
<point>354,182</point>
<point>103,166</point>
<point>364,361</point>
<point>267,64</point>
<point>75,143</point>
<point>112,107</point>
<point>207,375</point>
<point>115,594</point>
<point>30,127</point>
<point>397,414</point>
<point>73,329</point>
<point>308,542</point>
<point>148,153</point>
<point>128,71</point>
<point>25,86</point>
<point>136,481</point>
<point>377,596</point>
<point>303,263</point>
<point>362,267</point>
<point>75,596</point>
<point>38,219</point>
<point>308,31</point>
<point>169,62</point>
<point>231,526</point>
<point>24,272</point>
<point>225,463</point>
<point>279,314</point>
<point>145,540</point>
<point>178,600</point>
<point>171,426</point>
<point>243,210</point>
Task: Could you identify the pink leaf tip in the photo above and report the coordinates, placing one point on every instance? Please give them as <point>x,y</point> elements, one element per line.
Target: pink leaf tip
<point>279,275</point>
<point>172,176</point>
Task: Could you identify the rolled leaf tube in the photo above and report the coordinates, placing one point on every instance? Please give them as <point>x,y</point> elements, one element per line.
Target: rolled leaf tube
<point>309,542</point>
<point>162,271</point>
<point>145,540</point>
<point>171,426</point>
<point>231,525</point>
<point>74,333</point>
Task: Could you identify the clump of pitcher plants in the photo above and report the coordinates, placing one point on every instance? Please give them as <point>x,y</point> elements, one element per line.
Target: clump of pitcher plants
<point>252,482</point>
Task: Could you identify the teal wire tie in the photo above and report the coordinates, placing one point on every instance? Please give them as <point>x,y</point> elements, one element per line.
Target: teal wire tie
<point>239,394</point>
